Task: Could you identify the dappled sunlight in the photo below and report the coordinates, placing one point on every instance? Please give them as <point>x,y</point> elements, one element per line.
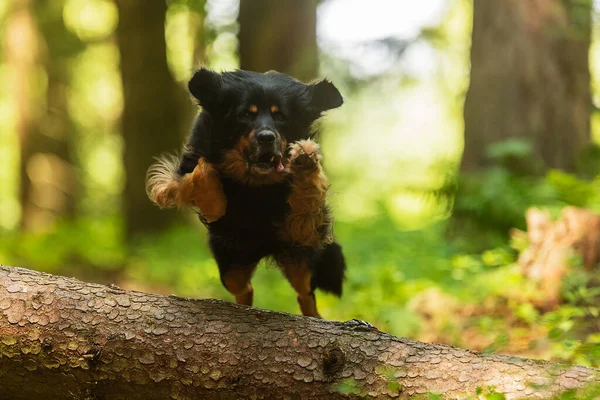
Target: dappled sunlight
<point>181,27</point>
<point>10,208</point>
<point>410,210</point>
<point>104,164</point>
<point>96,98</point>
<point>355,202</point>
<point>221,53</point>
<point>387,146</point>
<point>91,20</point>
<point>102,174</point>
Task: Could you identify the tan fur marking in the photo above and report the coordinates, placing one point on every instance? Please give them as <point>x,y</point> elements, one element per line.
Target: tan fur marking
<point>202,188</point>
<point>308,222</point>
<point>234,162</point>
<point>253,108</point>
<point>299,276</point>
<point>237,282</point>
<point>274,109</point>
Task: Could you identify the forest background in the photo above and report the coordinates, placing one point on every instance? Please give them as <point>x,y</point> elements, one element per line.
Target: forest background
<point>459,116</point>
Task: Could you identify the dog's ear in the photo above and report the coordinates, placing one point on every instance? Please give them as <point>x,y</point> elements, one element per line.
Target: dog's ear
<point>205,86</point>
<point>325,96</point>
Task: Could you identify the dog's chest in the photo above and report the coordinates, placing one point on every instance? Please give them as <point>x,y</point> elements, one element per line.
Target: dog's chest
<point>252,211</point>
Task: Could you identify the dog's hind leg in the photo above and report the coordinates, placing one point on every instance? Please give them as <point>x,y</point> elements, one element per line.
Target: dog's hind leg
<point>236,279</point>
<point>297,271</point>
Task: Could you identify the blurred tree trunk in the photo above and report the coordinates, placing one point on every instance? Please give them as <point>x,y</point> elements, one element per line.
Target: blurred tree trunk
<point>279,35</point>
<point>530,79</point>
<point>152,115</point>
<point>61,338</point>
<point>39,42</point>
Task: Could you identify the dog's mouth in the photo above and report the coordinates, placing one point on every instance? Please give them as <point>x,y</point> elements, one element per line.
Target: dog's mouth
<point>268,162</point>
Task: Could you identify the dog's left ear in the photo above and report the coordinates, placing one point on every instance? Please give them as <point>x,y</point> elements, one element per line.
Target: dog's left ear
<point>325,96</point>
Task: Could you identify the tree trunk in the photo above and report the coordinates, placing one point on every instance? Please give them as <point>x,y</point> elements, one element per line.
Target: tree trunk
<point>279,35</point>
<point>530,79</point>
<point>62,339</point>
<point>153,111</point>
<point>48,184</point>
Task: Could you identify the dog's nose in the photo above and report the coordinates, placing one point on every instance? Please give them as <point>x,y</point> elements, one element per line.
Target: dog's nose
<point>265,137</point>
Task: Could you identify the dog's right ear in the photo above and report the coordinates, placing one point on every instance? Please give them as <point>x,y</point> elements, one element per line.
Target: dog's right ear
<point>205,86</point>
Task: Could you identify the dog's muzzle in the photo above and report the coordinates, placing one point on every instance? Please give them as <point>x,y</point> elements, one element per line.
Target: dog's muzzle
<point>268,156</point>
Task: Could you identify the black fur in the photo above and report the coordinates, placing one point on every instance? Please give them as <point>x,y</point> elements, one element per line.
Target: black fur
<point>247,232</point>
<point>328,266</point>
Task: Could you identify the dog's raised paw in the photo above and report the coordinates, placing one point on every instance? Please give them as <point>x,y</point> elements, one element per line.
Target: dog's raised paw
<point>305,155</point>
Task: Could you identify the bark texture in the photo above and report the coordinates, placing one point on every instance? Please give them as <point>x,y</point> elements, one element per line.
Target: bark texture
<point>552,244</point>
<point>61,338</point>
<point>530,79</point>
<point>153,111</point>
<point>279,35</point>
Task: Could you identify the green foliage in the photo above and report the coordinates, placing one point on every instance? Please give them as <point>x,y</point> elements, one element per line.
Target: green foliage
<point>491,202</point>
<point>496,200</point>
<point>571,190</point>
<point>87,241</point>
<point>590,391</point>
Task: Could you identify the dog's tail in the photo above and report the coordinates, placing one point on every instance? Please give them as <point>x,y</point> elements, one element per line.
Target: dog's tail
<point>329,269</point>
<point>163,181</point>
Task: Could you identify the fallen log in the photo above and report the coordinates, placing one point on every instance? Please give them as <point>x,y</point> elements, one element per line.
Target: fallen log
<point>61,338</point>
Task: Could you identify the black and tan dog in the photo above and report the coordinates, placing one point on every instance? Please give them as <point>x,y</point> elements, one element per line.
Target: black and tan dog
<point>253,173</point>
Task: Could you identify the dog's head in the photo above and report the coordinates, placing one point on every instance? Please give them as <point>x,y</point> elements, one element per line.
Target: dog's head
<point>255,115</point>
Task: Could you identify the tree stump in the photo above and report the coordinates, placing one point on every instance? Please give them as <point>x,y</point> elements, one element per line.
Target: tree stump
<point>553,244</point>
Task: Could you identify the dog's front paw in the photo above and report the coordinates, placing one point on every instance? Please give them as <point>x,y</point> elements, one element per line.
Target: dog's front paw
<point>305,156</point>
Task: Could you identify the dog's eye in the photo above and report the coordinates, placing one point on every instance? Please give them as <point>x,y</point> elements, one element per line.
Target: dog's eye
<point>249,114</point>
<point>278,116</point>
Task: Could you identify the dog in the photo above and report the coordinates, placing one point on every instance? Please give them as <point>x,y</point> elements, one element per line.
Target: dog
<point>252,171</point>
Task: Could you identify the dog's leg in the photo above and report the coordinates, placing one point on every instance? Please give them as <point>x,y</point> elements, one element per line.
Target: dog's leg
<point>203,189</point>
<point>308,222</point>
<point>200,187</point>
<point>236,279</point>
<point>297,271</point>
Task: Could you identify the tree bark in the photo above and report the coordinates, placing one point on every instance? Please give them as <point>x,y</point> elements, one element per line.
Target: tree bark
<point>552,245</point>
<point>62,339</point>
<point>530,79</point>
<point>279,35</point>
<point>153,111</point>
